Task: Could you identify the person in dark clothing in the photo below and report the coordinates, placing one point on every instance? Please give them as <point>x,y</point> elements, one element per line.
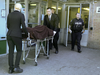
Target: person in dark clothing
<point>51,21</point>
<point>14,37</point>
<point>75,28</point>
<point>56,37</point>
<point>53,12</point>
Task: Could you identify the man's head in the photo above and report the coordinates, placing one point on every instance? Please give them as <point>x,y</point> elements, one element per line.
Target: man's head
<point>18,6</point>
<point>49,11</point>
<point>77,15</point>
<point>53,10</point>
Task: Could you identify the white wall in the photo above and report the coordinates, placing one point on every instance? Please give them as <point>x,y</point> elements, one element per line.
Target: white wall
<point>2,20</point>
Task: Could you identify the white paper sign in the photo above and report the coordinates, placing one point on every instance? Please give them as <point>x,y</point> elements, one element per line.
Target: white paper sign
<point>98,10</point>
<point>3,12</point>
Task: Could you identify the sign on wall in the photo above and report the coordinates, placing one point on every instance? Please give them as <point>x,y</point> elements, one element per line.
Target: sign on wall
<point>3,13</point>
<point>98,10</point>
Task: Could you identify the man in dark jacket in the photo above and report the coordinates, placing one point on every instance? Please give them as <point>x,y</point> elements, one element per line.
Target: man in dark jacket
<point>53,12</point>
<point>51,21</point>
<point>14,37</point>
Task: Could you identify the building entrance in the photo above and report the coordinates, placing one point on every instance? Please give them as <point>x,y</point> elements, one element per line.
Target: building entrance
<point>71,10</point>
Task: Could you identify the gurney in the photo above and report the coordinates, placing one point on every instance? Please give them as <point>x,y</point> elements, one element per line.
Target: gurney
<point>38,45</point>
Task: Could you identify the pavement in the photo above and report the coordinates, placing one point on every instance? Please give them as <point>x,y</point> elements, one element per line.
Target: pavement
<point>66,62</point>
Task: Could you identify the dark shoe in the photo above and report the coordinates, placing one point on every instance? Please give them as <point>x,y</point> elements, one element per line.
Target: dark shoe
<point>56,52</point>
<point>18,70</point>
<point>79,51</point>
<point>11,71</point>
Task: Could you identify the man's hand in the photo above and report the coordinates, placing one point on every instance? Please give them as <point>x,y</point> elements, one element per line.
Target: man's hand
<point>83,29</point>
<point>54,32</point>
<point>69,30</point>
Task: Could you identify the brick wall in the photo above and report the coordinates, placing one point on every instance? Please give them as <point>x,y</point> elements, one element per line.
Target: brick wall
<point>94,35</point>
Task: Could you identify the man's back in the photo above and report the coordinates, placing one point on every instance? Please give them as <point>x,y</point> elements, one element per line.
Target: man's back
<point>14,22</point>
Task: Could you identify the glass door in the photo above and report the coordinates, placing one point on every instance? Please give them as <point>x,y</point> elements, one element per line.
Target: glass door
<point>66,27</point>
<point>72,15</point>
<point>12,3</point>
<point>43,11</point>
<point>71,10</point>
<point>33,14</point>
<point>85,17</point>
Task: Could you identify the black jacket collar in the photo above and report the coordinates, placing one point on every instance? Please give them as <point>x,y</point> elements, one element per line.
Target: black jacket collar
<point>16,11</point>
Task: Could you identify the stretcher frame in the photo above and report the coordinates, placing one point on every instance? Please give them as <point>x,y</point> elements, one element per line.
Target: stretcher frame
<point>38,47</point>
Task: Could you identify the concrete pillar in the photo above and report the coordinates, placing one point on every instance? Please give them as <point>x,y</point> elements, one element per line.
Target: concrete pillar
<point>7,12</point>
<point>7,8</point>
<point>62,39</point>
<point>49,3</point>
<point>57,7</point>
<point>80,9</point>
<point>63,25</point>
<point>26,12</point>
<point>39,13</point>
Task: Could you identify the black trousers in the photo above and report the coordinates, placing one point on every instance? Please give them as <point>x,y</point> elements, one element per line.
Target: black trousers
<point>76,37</point>
<point>12,42</point>
<point>55,42</point>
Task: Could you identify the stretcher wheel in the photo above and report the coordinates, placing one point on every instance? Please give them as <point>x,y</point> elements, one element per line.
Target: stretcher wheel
<point>35,63</point>
<point>23,62</point>
<point>47,57</point>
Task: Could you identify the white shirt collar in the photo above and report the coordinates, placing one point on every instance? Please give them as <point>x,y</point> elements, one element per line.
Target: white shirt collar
<point>50,16</point>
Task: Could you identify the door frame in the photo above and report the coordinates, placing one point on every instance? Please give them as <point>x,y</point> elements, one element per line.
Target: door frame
<point>75,5</point>
<point>66,29</point>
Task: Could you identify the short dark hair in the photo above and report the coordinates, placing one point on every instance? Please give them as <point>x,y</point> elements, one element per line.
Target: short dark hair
<point>49,8</point>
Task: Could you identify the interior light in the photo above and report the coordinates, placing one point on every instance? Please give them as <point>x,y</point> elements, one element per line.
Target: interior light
<point>59,8</point>
<point>86,9</point>
<point>32,4</point>
<point>54,7</point>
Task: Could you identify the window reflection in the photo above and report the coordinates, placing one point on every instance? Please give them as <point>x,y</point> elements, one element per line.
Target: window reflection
<point>33,14</point>
<point>12,3</point>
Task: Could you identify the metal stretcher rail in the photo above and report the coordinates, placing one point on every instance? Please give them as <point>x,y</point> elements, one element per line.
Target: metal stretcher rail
<point>38,47</point>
